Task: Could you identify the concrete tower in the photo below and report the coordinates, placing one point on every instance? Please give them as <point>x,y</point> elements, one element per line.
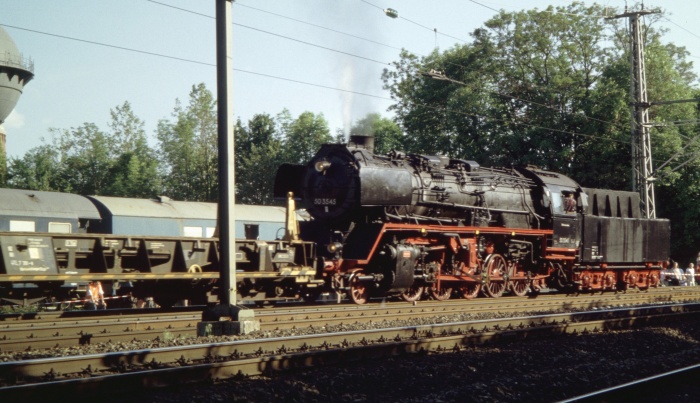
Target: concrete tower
<point>15,73</point>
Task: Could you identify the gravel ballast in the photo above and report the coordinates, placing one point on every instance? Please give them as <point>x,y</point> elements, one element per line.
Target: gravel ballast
<point>534,369</point>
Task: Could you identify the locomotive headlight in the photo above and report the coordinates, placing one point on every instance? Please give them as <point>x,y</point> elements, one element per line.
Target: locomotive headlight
<point>334,247</point>
<point>322,166</point>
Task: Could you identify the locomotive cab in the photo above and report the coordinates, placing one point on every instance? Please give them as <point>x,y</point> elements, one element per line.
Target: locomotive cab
<point>565,213</point>
<point>561,200</point>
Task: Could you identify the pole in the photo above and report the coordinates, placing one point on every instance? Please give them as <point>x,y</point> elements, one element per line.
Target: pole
<point>642,166</point>
<point>227,197</point>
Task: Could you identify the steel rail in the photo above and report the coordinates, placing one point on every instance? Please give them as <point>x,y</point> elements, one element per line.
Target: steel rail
<point>21,336</point>
<point>107,362</point>
<point>168,366</point>
<point>642,388</point>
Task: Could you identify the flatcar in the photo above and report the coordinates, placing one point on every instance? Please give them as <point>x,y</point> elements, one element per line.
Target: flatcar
<point>411,225</point>
<point>52,244</point>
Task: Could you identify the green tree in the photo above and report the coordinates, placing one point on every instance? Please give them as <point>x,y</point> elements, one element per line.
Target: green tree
<point>302,136</point>
<point>188,148</point>
<point>39,169</point>
<point>550,88</point>
<point>387,134</point>
<point>134,171</point>
<point>258,168</point>
<point>86,157</point>
<point>258,154</point>
<point>519,94</point>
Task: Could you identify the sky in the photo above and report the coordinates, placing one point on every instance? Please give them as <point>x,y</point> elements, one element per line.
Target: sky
<point>322,56</point>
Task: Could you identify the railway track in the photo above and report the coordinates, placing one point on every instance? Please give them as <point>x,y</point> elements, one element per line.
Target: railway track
<point>661,387</point>
<point>38,378</point>
<point>50,330</point>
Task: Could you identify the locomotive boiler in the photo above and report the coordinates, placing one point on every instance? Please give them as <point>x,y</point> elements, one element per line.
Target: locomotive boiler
<point>410,224</point>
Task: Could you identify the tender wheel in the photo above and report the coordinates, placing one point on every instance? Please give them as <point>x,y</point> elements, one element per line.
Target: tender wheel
<point>441,293</point>
<point>470,290</point>
<point>558,279</point>
<point>496,268</point>
<point>358,291</point>
<point>413,294</point>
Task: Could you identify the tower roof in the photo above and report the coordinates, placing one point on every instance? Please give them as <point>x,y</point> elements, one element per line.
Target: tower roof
<point>15,72</point>
<point>10,56</point>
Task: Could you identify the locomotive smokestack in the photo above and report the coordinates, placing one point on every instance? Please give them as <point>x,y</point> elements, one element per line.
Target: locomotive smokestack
<point>362,141</point>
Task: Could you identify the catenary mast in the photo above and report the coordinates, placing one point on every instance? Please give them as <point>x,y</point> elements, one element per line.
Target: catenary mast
<point>642,168</point>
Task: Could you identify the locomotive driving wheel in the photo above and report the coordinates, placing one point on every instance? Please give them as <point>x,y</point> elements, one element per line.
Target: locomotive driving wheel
<point>519,287</point>
<point>413,294</point>
<point>496,269</point>
<point>440,293</point>
<point>470,289</point>
<point>357,290</point>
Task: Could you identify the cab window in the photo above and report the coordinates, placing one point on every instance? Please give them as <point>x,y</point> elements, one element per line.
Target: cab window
<point>563,201</point>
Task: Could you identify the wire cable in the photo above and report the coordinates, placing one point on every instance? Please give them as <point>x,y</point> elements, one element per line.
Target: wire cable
<point>273,34</point>
<point>502,94</point>
<point>306,83</point>
<point>313,25</point>
<point>108,45</point>
<point>435,30</point>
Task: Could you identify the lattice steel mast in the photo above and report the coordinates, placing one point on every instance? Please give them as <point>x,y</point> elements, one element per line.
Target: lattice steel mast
<point>642,168</point>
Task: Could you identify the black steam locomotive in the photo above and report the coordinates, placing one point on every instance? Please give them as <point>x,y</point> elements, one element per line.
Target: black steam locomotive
<point>411,224</point>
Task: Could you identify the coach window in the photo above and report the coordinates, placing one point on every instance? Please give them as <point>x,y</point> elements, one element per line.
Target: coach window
<point>22,226</point>
<point>60,227</point>
<point>195,232</point>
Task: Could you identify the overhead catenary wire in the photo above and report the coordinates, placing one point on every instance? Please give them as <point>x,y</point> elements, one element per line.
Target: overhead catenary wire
<point>274,34</point>
<point>499,93</point>
<point>694,155</point>
<point>300,81</point>
<point>183,59</point>
<point>380,62</point>
<point>312,84</point>
<point>435,30</point>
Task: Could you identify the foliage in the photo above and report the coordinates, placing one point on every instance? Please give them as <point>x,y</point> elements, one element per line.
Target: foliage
<point>302,136</point>
<point>188,145</point>
<point>258,154</point>
<point>38,169</point>
<point>550,88</point>
<point>266,143</point>
<point>88,161</point>
<point>387,134</point>
<point>134,170</point>
<point>542,87</point>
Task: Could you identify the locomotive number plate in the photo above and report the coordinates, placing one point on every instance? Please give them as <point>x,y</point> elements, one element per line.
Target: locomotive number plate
<point>324,202</point>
